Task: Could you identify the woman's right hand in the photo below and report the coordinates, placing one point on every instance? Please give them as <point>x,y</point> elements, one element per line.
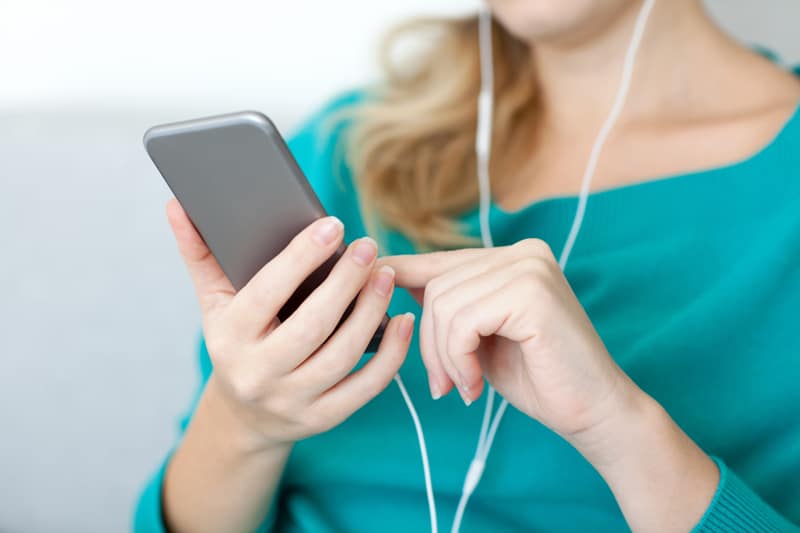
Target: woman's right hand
<point>282,382</point>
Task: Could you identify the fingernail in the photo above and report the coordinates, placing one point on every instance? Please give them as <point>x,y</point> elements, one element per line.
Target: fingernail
<point>383,280</point>
<point>462,383</point>
<point>465,396</point>
<point>406,326</point>
<point>327,230</point>
<point>436,392</point>
<point>464,389</point>
<point>365,251</point>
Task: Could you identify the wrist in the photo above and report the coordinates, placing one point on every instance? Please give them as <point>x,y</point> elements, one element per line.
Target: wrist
<point>626,412</point>
<point>222,477</point>
<point>233,426</point>
<point>660,478</point>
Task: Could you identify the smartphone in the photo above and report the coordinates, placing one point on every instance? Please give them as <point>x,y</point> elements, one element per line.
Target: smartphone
<point>244,192</point>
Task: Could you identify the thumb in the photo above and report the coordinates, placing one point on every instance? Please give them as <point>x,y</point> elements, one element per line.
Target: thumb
<point>212,287</point>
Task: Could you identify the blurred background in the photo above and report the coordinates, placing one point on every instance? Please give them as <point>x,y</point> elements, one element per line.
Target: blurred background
<point>98,319</point>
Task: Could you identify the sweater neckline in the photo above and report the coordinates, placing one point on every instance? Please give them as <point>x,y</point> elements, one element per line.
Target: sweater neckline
<point>785,132</point>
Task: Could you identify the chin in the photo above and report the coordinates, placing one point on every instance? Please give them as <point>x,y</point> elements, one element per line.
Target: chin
<point>557,20</point>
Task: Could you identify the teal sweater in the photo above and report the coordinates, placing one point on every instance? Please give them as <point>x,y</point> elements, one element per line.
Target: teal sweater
<point>692,281</point>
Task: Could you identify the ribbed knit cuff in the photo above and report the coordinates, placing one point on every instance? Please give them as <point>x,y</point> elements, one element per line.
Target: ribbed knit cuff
<point>736,508</point>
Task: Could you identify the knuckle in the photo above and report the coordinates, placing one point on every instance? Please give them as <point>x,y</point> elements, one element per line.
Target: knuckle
<point>346,278</point>
<point>460,333</point>
<point>380,376</point>
<point>319,419</point>
<point>459,326</point>
<point>301,252</point>
<point>301,241</point>
<point>247,387</point>
<point>297,252</point>
<point>303,329</point>
<point>283,405</point>
<point>314,330</point>
<point>396,354</point>
<point>376,384</point>
<point>553,267</point>
<point>435,304</point>
<point>535,246</point>
<point>441,305</point>
<point>220,344</point>
<point>532,280</point>
<point>331,364</point>
<point>532,265</point>
<point>433,288</point>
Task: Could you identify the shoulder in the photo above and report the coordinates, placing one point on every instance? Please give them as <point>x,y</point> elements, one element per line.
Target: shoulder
<point>766,81</point>
<point>762,109</point>
<point>776,164</point>
<point>785,110</point>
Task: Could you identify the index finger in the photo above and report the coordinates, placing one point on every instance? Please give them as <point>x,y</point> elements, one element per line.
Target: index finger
<point>416,270</point>
<point>258,303</point>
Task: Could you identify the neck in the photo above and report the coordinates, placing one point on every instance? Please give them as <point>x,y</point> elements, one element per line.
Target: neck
<point>580,78</point>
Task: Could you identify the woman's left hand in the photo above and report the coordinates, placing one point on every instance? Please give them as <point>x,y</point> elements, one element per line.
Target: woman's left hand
<point>509,313</point>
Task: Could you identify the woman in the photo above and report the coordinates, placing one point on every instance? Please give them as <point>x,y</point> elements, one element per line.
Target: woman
<point>653,385</point>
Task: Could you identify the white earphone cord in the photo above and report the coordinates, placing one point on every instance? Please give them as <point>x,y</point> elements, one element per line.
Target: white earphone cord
<point>489,424</point>
<point>426,469</point>
<point>482,152</point>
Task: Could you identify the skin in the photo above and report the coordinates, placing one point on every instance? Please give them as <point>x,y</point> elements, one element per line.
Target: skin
<point>507,314</point>
<point>275,383</point>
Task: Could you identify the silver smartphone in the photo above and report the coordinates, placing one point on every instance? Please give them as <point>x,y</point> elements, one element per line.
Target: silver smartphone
<point>243,191</point>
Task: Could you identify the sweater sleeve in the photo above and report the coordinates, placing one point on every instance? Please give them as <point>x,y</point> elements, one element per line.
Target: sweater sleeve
<point>737,508</point>
<point>148,516</point>
<point>316,148</point>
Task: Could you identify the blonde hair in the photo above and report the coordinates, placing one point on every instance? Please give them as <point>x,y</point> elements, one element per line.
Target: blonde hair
<point>411,142</point>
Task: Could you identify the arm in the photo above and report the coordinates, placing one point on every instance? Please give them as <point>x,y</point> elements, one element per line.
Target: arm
<point>544,356</point>
<point>273,382</point>
<point>216,481</point>
<point>205,451</point>
<point>663,481</point>
<point>660,478</point>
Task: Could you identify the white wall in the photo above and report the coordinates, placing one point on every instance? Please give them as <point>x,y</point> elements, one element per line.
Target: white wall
<point>190,53</point>
<point>201,54</point>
